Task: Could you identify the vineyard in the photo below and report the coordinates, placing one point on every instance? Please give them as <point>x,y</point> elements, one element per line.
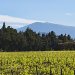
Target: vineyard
<point>37,63</point>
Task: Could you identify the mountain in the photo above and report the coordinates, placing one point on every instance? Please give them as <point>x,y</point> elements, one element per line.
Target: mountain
<point>47,27</point>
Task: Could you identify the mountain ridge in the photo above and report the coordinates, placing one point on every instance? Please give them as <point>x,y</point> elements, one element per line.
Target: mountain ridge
<point>47,27</point>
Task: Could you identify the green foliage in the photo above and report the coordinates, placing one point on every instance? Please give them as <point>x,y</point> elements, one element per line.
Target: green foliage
<point>11,40</point>
<point>37,63</point>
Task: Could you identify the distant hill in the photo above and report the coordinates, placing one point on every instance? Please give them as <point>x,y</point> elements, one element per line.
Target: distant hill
<point>47,27</point>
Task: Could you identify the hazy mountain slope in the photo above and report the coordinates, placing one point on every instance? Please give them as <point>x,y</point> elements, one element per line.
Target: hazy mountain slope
<point>46,27</point>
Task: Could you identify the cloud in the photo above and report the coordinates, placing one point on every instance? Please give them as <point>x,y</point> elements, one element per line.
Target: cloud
<point>15,22</point>
<point>68,14</point>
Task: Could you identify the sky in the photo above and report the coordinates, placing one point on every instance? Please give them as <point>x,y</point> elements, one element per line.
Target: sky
<point>53,11</point>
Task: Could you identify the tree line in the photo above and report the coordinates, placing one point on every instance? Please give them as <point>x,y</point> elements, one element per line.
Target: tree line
<point>11,40</point>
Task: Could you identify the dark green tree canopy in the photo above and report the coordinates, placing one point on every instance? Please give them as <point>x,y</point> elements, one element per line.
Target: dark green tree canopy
<point>11,40</point>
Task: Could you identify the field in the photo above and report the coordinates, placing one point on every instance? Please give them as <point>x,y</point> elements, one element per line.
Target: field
<point>37,63</point>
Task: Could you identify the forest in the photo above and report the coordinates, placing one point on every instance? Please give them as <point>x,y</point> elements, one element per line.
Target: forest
<point>29,40</point>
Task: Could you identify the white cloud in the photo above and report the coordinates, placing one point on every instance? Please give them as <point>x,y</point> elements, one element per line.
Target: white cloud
<point>15,22</point>
<point>68,14</point>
